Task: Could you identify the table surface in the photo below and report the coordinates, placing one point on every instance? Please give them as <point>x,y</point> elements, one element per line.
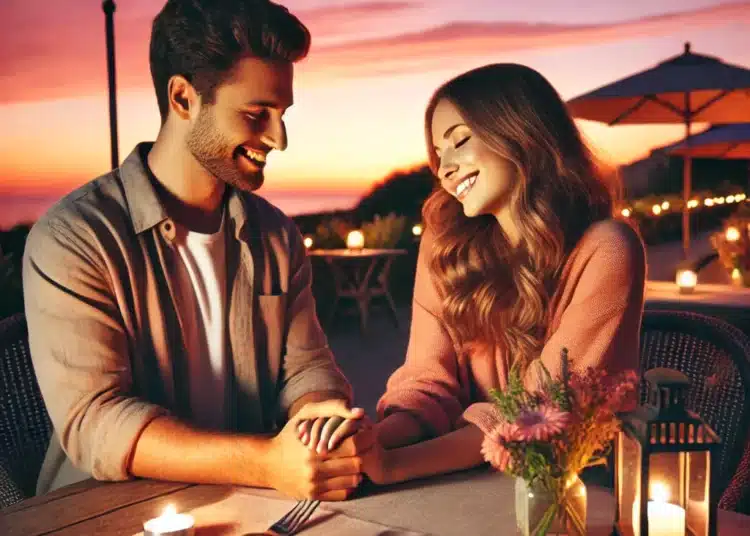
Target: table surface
<point>475,502</point>
<point>704,294</point>
<point>355,253</point>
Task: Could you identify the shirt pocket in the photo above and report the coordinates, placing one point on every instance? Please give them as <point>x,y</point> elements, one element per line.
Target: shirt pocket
<point>272,323</point>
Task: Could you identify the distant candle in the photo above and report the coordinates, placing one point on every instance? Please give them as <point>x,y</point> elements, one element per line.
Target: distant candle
<point>169,523</point>
<point>355,240</point>
<point>686,280</point>
<point>732,234</point>
<point>308,242</point>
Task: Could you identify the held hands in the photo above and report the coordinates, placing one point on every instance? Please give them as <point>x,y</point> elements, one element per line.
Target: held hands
<point>302,473</point>
<point>335,436</point>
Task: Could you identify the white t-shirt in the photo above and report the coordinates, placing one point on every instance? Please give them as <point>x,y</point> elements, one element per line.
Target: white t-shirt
<point>201,296</point>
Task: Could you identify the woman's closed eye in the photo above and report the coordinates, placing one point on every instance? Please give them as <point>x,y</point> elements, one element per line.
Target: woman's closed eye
<point>462,141</point>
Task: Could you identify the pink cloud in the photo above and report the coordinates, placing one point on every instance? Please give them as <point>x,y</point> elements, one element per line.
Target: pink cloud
<point>53,50</point>
<point>429,48</point>
<point>49,50</point>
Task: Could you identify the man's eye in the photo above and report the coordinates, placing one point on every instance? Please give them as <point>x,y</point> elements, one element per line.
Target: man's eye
<point>260,115</point>
<point>464,140</point>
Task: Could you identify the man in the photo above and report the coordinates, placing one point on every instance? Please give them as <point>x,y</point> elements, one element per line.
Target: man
<point>172,325</point>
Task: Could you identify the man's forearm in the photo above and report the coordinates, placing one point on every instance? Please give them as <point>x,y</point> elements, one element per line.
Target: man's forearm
<point>170,450</point>
<point>453,451</point>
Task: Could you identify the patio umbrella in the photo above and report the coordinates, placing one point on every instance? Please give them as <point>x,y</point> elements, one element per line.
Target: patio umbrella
<point>689,88</point>
<point>719,141</point>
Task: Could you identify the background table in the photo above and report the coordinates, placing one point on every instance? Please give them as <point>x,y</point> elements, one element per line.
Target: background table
<point>353,271</point>
<point>727,302</point>
<point>476,502</point>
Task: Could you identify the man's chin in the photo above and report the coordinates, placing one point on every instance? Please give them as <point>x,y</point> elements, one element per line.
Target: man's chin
<point>248,183</point>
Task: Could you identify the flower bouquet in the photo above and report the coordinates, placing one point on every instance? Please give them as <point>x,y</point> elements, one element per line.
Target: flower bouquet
<point>732,244</point>
<point>545,439</point>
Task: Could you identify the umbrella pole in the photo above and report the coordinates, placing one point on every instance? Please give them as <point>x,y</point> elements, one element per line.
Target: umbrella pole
<point>686,183</point>
<point>108,6</point>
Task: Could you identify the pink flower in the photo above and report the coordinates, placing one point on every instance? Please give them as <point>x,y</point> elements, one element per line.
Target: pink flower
<point>493,448</point>
<point>542,423</point>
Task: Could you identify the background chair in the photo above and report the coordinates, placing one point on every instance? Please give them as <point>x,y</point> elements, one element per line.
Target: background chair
<point>716,357</point>
<point>25,428</point>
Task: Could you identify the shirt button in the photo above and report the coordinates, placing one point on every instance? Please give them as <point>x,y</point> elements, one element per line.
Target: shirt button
<point>168,230</point>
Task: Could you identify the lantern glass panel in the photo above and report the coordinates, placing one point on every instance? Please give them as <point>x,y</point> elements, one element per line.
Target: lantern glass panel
<point>628,481</point>
<point>698,492</point>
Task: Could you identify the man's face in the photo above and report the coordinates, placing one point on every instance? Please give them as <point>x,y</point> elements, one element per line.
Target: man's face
<point>231,137</point>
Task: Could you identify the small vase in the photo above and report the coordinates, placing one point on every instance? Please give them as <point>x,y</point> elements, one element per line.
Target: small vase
<point>541,512</point>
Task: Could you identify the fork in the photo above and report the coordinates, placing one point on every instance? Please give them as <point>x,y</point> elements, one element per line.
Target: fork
<point>294,519</point>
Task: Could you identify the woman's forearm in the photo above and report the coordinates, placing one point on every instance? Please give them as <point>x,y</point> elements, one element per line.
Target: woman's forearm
<point>453,451</point>
<point>397,430</point>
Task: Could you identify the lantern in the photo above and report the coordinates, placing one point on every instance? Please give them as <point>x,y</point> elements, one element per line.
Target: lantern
<point>665,461</point>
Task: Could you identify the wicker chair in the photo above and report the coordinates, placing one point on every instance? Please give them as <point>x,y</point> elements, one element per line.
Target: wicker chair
<point>716,357</point>
<point>25,428</point>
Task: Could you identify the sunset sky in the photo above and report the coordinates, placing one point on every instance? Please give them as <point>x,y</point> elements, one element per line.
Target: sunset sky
<point>361,93</point>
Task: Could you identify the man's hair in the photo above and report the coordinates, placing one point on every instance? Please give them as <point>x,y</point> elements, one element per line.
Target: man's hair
<point>203,40</point>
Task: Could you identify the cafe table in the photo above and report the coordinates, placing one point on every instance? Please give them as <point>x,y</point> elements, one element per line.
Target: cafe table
<point>361,275</point>
<point>728,302</point>
<point>475,502</point>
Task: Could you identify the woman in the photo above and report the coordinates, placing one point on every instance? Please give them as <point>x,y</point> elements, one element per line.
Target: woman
<point>520,258</point>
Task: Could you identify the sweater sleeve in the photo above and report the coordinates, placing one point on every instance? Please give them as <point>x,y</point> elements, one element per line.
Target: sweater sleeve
<point>601,321</point>
<point>425,388</point>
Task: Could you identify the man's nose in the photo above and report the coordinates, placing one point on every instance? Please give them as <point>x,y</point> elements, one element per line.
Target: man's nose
<point>275,135</point>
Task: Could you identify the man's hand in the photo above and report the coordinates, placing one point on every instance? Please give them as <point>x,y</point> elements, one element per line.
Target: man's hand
<point>301,473</point>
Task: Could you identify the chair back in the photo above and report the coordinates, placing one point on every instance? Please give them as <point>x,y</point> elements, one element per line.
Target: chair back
<point>25,427</point>
<point>716,357</point>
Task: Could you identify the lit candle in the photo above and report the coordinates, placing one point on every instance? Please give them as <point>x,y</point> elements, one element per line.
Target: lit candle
<point>664,519</point>
<point>732,234</point>
<point>355,240</point>
<point>416,230</point>
<point>308,242</point>
<point>170,523</point>
<point>686,280</point>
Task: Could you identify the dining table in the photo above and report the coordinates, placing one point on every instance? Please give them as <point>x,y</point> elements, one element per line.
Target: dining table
<point>360,275</point>
<point>728,302</point>
<point>475,502</point>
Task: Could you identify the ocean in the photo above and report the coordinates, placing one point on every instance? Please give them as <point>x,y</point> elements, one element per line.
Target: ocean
<point>25,208</point>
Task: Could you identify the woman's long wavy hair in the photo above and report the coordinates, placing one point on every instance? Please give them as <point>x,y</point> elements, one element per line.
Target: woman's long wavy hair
<point>494,294</point>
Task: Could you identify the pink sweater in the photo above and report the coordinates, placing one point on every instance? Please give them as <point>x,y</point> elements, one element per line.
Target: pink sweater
<point>596,314</point>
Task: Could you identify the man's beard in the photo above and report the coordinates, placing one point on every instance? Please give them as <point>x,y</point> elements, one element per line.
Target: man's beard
<point>217,155</point>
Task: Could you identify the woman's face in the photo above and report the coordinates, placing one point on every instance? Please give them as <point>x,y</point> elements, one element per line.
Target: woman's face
<point>479,178</point>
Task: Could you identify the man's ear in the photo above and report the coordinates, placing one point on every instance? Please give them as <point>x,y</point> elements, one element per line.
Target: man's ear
<point>183,99</point>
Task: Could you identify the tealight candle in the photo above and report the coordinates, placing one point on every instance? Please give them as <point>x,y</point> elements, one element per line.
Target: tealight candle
<point>686,280</point>
<point>664,519</point>
<point>170,523</point>
<point>355,240</point>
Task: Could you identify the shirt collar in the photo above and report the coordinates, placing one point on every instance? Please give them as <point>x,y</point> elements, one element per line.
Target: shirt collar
<point>145,207</point>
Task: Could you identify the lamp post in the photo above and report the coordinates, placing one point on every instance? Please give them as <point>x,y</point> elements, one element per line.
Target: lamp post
<point>108,6</point>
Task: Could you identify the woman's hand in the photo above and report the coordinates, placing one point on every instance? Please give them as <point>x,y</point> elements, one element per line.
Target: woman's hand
<point>325,434</point>
<point>377,462</point>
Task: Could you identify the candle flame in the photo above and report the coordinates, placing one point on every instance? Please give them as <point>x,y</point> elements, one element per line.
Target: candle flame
<point>659,492</point>
<point>170,510</point>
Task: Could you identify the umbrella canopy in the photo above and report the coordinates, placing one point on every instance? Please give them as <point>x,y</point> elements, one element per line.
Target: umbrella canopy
<point>719,141</point>
<point>689,88</point>
<point>683,89</point>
